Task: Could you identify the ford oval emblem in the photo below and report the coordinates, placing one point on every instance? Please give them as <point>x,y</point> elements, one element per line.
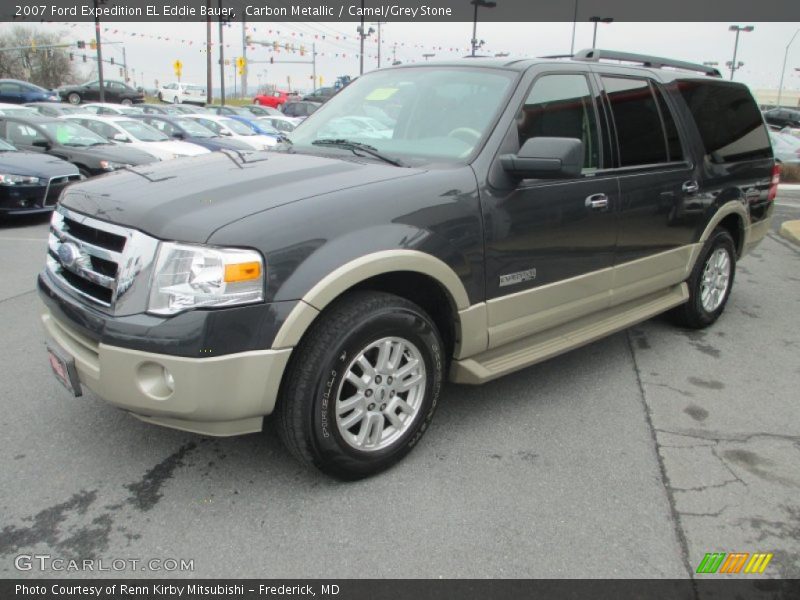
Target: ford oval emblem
<point>68,254</point>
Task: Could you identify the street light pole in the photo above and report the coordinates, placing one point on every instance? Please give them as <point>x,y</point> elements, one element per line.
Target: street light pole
<point>221,57</point>
<point>597,20</point>
<point>484,4</point>
<point>574,25</point>
<point>783,68</point>
<point>738,30</point>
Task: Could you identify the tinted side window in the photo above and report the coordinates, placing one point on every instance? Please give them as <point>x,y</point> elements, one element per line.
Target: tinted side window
<point>561,106</point>
<point>673,139</point>
<point>728,120</point>
<point>640,136</point>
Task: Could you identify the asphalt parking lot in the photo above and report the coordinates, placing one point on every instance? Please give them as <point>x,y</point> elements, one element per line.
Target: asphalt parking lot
<point>631,457</point>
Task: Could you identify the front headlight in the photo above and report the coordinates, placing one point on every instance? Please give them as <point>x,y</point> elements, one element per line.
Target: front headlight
<point>9,179</point>
<point>110,165</point>
<point>188,276</point>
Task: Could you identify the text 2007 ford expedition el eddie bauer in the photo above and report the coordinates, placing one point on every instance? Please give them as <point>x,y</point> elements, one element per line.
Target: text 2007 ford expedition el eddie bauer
<point>446,221</point>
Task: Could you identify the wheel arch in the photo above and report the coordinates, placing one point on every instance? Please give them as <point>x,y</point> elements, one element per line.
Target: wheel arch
<point>411,274</point>
<point>733,217</point>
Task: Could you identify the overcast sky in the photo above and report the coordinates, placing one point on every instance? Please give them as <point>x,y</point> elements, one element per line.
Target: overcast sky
<point>762,50</point>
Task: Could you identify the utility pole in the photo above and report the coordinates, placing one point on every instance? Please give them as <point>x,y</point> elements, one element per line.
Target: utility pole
<point>733,64</point>
<point>125,64</point>
<point>244,56</point>
<point>209,75</point>
<point>783,68</point>
<point>221,57</point>
<point>379,23</point>
<point>314,66</point>
<point>99,49</point>
<point>361,36</point>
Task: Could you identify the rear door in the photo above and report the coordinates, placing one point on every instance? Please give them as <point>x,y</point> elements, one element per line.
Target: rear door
<point>660,195</point>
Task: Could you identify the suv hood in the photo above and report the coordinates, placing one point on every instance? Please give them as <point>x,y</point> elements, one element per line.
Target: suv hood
<point>187,199</point>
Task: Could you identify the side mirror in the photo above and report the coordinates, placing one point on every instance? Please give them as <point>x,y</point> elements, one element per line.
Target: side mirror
<point>178,135</point>
<point>225,132</point>
<point>546,158</point>
<point>44,144</point>
<point>120,137</point>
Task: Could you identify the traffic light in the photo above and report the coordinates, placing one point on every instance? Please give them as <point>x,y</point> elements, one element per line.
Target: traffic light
<point>274,46</point>
<point>112,60</point>
<point>93,44</point>
<point>71,57</point>
<point>81,45</point>
<point>302,50</point>
<point>84,58</point>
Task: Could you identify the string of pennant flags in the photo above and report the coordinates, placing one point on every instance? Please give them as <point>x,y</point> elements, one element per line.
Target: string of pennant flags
<point>277,42</point>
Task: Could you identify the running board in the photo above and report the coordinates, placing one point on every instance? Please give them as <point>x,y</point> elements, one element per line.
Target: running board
<point>497,362</point>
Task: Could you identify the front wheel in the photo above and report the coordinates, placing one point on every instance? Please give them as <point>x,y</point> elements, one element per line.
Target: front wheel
<point>362,386</point>
<point>74,98</point>
<point>126,102</point>
<point>710,282</point>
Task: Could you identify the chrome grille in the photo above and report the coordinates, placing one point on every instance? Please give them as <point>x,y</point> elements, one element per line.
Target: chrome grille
<point>106,264</point>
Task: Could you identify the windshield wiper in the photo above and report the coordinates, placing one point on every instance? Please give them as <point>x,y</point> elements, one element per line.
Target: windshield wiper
<point>357,147</point>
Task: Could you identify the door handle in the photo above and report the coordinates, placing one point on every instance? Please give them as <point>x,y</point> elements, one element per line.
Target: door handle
<point>597,202</point>
<point>691,187</point>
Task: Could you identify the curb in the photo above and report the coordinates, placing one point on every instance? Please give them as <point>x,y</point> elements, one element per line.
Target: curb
<point>791,231</point>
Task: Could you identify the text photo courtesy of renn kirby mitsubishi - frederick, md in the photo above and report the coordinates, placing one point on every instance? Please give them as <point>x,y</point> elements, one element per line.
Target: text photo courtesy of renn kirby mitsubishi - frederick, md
<point>351,300</point>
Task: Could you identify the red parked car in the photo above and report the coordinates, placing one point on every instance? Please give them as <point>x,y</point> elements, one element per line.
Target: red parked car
<point>274,99</point>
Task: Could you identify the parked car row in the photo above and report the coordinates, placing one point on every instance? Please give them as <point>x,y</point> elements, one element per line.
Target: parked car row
<point>46,144</point>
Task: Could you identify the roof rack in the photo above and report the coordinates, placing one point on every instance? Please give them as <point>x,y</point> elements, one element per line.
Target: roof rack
<point>655,62</point>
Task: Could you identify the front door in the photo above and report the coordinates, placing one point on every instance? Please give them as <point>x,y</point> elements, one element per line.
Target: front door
<point>550,243</point>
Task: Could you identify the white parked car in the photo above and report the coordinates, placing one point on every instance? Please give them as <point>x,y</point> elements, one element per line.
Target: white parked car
<point>182,93</point>
<point>235,130</point>
<point>109,108</point>
<point>137,134</point>
<point>17,110</point>
<point>281,123</point>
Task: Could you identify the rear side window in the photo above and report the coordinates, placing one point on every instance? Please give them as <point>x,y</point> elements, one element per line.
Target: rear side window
<point>640,132</point>
<point>729,122</point>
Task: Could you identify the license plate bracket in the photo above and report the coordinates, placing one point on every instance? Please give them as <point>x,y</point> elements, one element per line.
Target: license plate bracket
<point>65,371</point>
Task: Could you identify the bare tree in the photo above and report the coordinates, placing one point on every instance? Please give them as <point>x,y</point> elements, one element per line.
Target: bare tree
<point>34,62</point>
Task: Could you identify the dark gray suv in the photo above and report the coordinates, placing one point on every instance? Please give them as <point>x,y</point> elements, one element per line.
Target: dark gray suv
<point>469,219</point>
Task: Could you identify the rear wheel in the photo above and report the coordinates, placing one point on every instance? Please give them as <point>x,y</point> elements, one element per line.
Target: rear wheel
<point>362,386</point>
<point>126,101</point>
<point>710,282</point>
<point>74,98</point>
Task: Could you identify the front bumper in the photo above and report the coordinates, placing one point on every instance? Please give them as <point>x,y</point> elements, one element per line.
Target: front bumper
<point>218,396</point>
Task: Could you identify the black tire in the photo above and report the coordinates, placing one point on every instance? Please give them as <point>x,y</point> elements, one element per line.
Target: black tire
<point>693,314</point>
<point>160,97</point>
<point>74,98</point>
<point>126,102</point>
<point>306,411</point>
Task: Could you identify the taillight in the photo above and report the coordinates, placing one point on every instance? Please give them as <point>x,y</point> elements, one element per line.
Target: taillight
<point>773,184</point>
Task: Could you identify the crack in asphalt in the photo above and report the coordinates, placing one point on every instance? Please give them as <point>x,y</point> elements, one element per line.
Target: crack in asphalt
<point>676,515</point>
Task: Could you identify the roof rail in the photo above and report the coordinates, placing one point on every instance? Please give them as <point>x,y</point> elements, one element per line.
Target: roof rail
<point>595,54</point>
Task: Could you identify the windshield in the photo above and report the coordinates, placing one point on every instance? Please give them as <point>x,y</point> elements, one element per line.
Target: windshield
<point>238,110</point>
<point>14,111</point>
<point>194,129</point>
<point>71,134</point>
<point>237,127</point>
<point>418,113</point>
<point>5,146</point>
<point>142,131</point>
